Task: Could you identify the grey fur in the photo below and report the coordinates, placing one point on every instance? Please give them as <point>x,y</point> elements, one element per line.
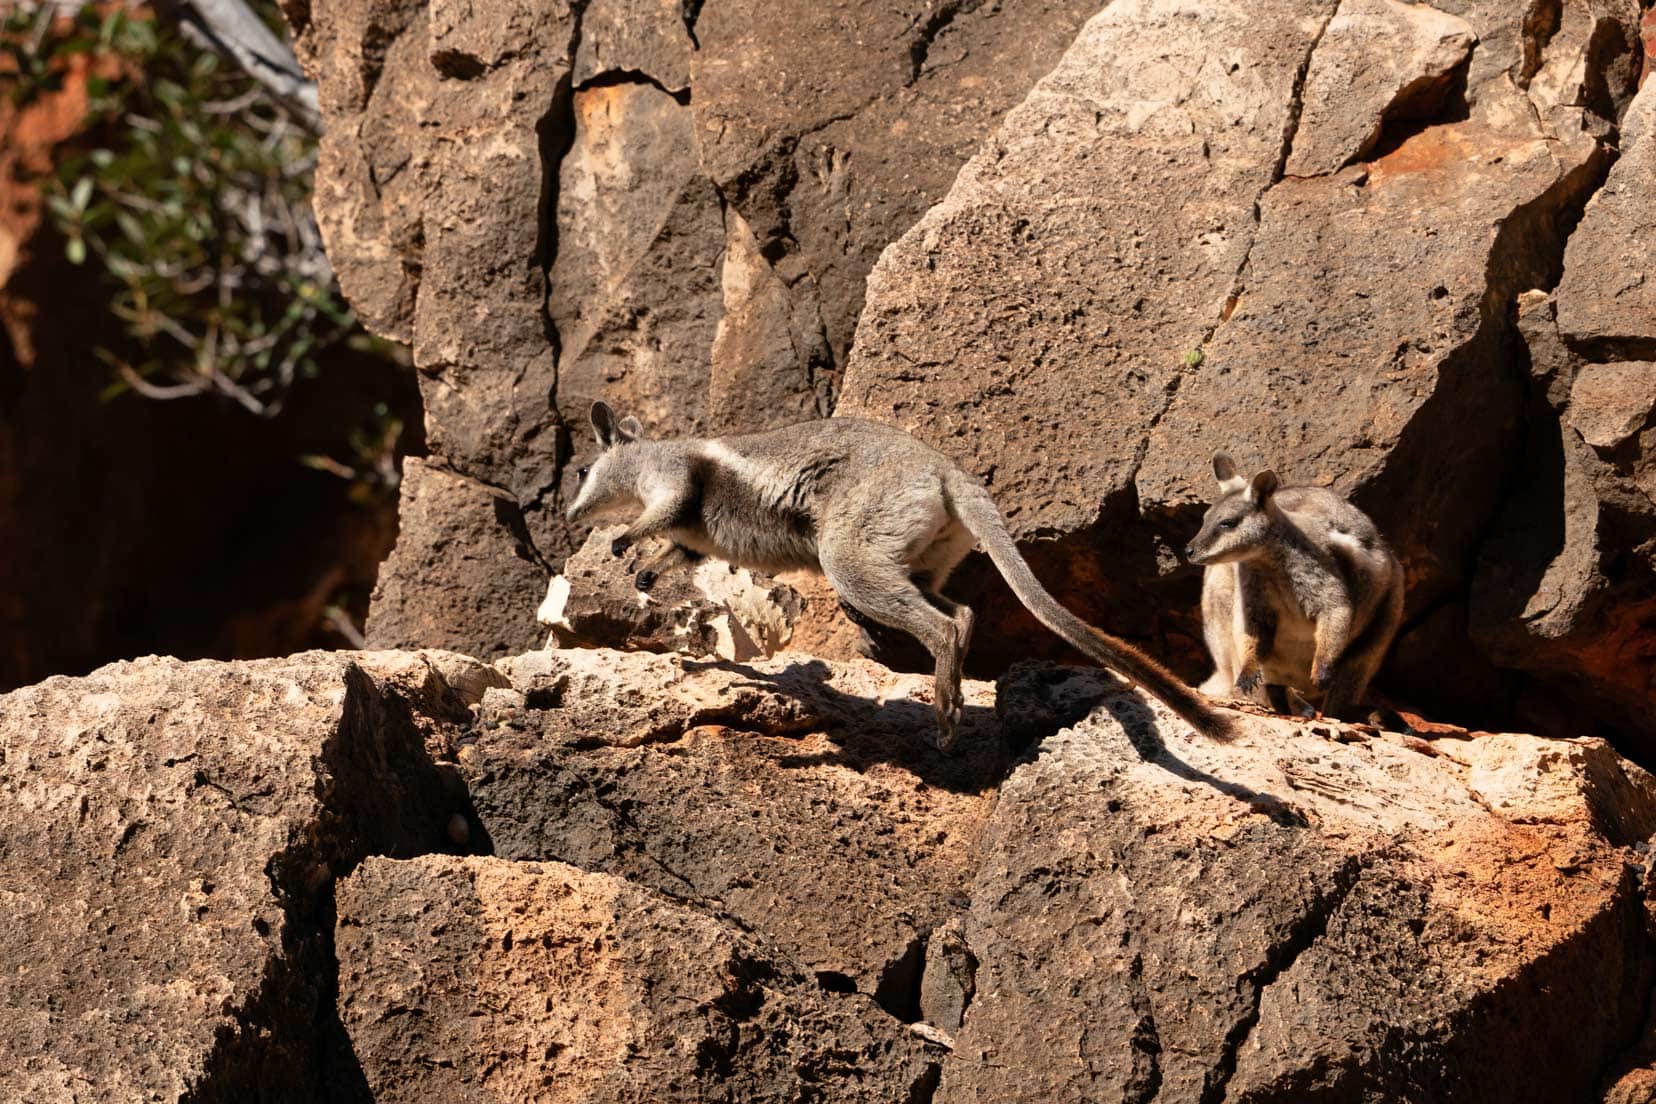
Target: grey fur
<point>1300,591</point>
<point>885,517</point>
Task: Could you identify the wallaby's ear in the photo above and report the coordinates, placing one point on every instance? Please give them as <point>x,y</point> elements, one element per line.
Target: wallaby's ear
<point>1264,485</point>
<point>1224,470</point>
<point>630,429</point>
<point>603,425</point>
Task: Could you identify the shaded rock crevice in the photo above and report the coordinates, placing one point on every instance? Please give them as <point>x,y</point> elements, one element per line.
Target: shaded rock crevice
<point>1279,959</point>
<point>1146,1079</point>
<point>609,78</point>
<point>937,21</point>
<point>555,131</point>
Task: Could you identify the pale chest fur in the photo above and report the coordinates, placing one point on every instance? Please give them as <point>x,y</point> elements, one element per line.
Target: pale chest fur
<point>1292,594</point>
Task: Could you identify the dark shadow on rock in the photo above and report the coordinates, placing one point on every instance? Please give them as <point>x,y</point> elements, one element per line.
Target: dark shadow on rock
<point>1036,700</point>
<point>869,731</point>
<point>1139,724</point>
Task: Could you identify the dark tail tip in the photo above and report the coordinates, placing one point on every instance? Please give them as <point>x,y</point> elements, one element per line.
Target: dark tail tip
<point>1217,725</point>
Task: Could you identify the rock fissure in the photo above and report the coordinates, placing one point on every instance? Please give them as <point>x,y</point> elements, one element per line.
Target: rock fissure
<point>935,24</point>
<point>610,78</point>
<point>690,11</point>
<point>1279,959</point>
<point>1193,358</point>
<point>555,132</point>
<point>1146,1080</point>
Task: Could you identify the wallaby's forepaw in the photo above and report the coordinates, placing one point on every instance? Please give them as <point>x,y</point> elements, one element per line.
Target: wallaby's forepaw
<point>644,580</point>
<point>619,546</point>
<point>1249,679</point>
<point>1322,675</point>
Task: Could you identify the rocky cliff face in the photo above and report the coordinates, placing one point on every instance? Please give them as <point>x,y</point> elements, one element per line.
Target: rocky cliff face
<point>597,876</point>
<point>1390,248</point>
<point>1076,248</point>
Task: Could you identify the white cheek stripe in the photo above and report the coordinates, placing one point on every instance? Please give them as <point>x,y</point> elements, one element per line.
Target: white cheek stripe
<point>581,495</point>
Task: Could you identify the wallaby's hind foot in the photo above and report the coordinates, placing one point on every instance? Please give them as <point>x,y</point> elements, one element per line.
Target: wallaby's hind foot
<point>951,702</point>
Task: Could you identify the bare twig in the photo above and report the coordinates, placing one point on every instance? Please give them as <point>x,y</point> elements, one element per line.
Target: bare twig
<point>154,391</point>
<point>231,28</point>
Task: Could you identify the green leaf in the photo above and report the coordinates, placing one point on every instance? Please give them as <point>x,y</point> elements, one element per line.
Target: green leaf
<point>82,193</point>
<point>1193,359</point>
<point>75,250</point>
<point>131,227</point>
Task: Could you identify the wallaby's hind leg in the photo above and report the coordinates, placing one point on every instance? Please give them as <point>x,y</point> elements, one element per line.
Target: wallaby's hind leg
<point>1361,662</point>
<point>962,616</point>
<point>879,587</point>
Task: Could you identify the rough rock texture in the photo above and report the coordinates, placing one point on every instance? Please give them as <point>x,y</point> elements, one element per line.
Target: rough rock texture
<point>1097,236</point>
<point>852,833</point>
<point>1131,265</point>
<point>1324,919</point>
<point>1607,298</point>
<point>463,575</point>
<point>537,982</point>
<point>775,891</point>
<point>670,207</point>
<point>172,833</point>
<point>1378,60</point>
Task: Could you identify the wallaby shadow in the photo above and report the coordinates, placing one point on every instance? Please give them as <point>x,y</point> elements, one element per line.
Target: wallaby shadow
<point>990,741</point>
<point>1039,699</point>
<point>868,730</point>
<point>1139,723</point>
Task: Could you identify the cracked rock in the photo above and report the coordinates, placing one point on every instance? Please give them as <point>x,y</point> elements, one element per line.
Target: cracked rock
<point>173,831</point>
<point>1378,59</point>
<point>536,981</point>
<point>463,575</point>
<point>1564,585</point>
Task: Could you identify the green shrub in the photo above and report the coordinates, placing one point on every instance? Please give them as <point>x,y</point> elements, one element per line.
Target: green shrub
<point>189,195</point>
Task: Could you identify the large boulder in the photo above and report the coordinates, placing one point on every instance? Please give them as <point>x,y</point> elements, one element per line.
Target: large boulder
<point>1299,917</point>
<point>172,834</point>
<point>474,979</point>
<point>1293,230</point>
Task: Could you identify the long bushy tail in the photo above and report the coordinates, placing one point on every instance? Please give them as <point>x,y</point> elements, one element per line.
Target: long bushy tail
<point>977,511</point>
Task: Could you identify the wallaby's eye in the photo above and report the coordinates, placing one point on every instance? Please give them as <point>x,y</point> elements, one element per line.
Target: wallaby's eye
<point>1231,524</point>
<point>581,473</point>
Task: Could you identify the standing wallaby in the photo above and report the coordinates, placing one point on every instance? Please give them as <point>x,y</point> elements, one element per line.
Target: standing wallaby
<point>1299,591</point>
<point>883,516</point>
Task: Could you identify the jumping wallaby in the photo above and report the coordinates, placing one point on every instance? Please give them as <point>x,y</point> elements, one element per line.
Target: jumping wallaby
<point>1299,591</point>
<point>883,516</point>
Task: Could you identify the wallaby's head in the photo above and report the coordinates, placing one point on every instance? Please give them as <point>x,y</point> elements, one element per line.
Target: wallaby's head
<point>1238,526</point>
<point>608,485</point>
